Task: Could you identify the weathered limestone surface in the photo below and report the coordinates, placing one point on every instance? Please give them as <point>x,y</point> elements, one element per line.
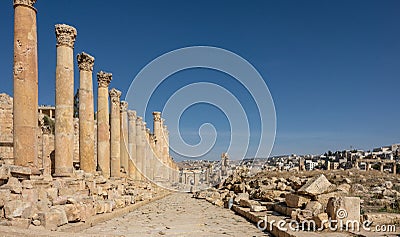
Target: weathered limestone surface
<point>46,151</point>
<point>103,123</point>
<point>315,186</point>
<point>157,132</point>
<point>6,128</point>
<point>140,149</point>
<point>293,200</point>
<point>87,159</point>
<point>56,202</point>
<point>124,137</point>
<point>144,144</point>
<point>64,130</point>
<point>115,133</point>
<point>25,84</point>
<point>148,168</point>
<point>344,209</point>
<point>133,172</point>
<point>158,159</point>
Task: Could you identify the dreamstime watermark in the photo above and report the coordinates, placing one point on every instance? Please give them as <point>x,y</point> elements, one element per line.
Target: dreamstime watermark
<point>341,223</point>
<point>245,140</point>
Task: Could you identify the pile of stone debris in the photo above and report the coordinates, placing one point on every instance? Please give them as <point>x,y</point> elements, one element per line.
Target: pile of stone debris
<point>27,200</point>
<point>297,198</point>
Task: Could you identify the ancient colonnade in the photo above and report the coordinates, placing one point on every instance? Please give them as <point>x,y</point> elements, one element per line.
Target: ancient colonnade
<point>124,147</point>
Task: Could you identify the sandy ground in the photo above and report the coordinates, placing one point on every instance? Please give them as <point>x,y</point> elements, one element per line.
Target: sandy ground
<point>178,215</point>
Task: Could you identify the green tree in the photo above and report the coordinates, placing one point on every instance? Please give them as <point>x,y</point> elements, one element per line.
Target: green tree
<point>50,123</point>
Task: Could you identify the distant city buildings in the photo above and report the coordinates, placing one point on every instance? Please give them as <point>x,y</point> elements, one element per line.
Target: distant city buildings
<point>209,173</point>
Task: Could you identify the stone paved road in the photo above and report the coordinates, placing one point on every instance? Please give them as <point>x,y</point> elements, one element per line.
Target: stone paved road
<point>178,215</point>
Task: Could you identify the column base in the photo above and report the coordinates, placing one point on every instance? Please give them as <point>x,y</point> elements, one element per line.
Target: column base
<point>63,172</point>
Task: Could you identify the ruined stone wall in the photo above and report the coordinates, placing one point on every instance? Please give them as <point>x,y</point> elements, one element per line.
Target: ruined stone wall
<point>6,134</point>
<point>6,128</point>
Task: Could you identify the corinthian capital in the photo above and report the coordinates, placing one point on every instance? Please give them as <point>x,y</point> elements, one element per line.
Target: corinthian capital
<point>139,121</point>
<point>66,35</point>
<point>103,79</point>
<point>157,116</point>
<point>131,115</point>
<point>85,62</point>
<point>124,106</point>
<point>28,3</point>
<point>115,96</point>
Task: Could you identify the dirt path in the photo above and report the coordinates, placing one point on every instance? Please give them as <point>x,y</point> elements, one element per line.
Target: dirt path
<point>178,215</point>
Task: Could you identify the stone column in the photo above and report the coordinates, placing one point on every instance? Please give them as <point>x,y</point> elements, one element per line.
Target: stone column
<point>115,133</point>
<point>157,133</point>
<point>145,150</point>
<point>394,168</point>
<point>165,149</point>
<point>46,161</point>
<point>381,166</point>
<point>86,114</point>
<point>148,154</point>
<point>124,137</point>
<point>133,173</point>
<point>140,149</point>
<point>25,106</point>
<point>103,123</point>
<point>163,156</point>
<point>64,126</point>
<point>168,161</point>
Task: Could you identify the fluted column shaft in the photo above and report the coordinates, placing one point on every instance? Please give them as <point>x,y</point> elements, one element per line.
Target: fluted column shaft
<point>86,114</point>
<point>124,137</point>
<point>25,103</point>
<point>115,133</point>
<point>103,123</point>
<point>64,126</point>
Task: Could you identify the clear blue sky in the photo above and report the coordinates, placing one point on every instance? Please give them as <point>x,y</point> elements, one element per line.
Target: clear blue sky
<point>332,67</point>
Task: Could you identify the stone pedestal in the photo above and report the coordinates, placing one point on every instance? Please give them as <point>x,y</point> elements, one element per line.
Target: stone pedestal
<point>64,129</point>
<point>115,133</point>
<point>124,137</point>
<point>86,114</point>
<point>133,173</point>
<point>25,102</point>
<point>103,123</point>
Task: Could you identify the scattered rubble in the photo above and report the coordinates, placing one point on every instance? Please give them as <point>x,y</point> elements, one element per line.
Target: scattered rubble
<point>29,200</point>
<point>311,196</point>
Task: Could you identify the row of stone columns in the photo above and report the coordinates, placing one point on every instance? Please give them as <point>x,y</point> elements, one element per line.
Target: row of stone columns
<point>124,146</point>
